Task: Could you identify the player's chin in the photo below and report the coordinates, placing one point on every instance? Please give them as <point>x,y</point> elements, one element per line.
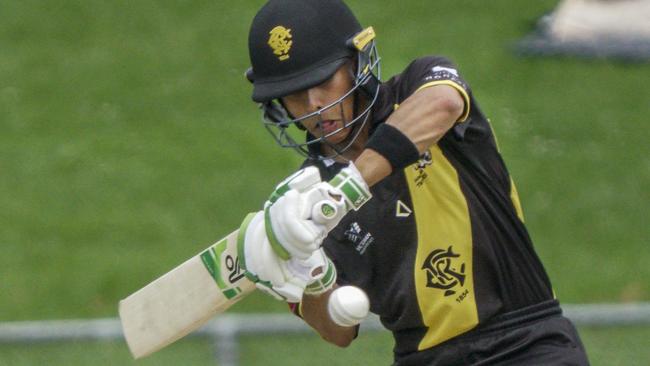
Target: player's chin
<point>338,137</point>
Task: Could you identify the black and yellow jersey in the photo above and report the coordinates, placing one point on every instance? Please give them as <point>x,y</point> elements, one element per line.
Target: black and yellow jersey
<point>441,248</point>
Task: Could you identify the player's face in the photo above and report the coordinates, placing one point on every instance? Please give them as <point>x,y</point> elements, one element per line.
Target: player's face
<point>314,99</point>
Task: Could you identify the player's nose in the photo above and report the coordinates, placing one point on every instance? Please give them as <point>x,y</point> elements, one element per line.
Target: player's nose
<point>316,98</point>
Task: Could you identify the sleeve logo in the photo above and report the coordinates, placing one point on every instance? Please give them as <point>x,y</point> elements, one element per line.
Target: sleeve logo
<point>447,69</point>
<point>440,73</point>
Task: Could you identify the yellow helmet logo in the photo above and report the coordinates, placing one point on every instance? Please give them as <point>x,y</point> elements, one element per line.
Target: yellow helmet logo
<point>280,41</point>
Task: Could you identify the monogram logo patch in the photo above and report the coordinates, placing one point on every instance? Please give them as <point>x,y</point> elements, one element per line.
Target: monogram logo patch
<point>280,41</point>
<point>445,270</point>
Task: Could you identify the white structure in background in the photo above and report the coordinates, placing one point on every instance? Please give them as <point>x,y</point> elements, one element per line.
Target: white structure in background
<point>593,28</point>
<point>593,20</point>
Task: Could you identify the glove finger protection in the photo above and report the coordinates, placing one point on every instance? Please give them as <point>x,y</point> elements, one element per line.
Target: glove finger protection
<point>320,269</point>
<point>302,210</point>
<point>282,279</point>
<point>297,223</point>
<point>290,227</point>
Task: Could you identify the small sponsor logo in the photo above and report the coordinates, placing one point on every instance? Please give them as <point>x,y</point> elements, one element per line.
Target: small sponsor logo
<point>420,166</point>
<point>445,69</point>
<point>441,73</point>
<point>359,238</point>
<point>402,210</point>
<point>445,271</point>
<point>235,272</point>
<point>328,210</point>
<point>215,261</point>
<point>353,233</point>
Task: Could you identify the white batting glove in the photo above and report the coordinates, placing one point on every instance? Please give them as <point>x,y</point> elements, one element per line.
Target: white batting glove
<point>283,279</point>
<point>303,209</point>
<point>353,188</point>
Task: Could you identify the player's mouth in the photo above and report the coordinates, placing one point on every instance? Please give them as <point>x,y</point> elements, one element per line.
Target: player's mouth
<point>328,126</point>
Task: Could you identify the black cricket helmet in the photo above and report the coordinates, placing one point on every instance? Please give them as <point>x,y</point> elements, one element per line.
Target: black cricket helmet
<point>298,44</point>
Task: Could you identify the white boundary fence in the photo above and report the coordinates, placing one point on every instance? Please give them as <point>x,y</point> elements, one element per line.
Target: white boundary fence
<point>226,329</point>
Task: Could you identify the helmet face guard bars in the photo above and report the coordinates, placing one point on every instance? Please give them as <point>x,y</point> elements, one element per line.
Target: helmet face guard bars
<point>277,120</point>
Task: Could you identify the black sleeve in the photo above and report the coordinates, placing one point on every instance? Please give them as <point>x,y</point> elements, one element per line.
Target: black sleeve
<point>430,71</point>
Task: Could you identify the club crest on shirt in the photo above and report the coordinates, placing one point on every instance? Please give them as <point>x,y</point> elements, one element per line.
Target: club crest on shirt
<point>445,270</point>
<point>358,237</point>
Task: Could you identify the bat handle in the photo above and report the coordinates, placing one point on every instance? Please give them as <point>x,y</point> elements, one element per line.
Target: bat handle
<point>324,211</point>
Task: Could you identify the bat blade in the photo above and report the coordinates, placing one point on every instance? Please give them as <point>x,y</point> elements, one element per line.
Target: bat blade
<point>184,298</point>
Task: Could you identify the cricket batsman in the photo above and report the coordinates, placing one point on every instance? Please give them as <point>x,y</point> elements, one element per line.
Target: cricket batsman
<point>403,194</point>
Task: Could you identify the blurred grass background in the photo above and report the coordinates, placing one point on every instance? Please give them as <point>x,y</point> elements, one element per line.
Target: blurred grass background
<point>128,143</point>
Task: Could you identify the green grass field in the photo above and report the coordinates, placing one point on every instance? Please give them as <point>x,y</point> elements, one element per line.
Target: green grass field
<point>606,347</point>
<point>128,142</point>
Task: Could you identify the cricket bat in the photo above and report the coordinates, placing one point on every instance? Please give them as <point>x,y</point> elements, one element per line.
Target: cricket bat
<point>185,298</point>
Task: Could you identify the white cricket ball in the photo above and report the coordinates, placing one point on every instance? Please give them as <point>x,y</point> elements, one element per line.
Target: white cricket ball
<point>348,306</point>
